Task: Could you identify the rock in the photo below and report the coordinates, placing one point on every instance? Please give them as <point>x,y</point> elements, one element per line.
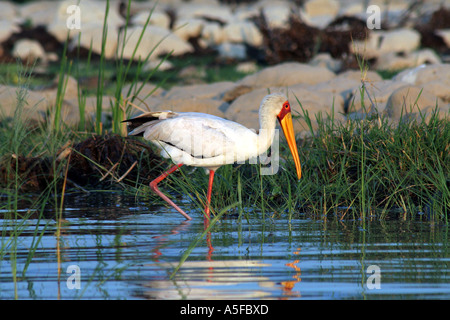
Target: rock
<point>39,13</point>
<point>212,34</point>
<point>33,108</point>
<point>36,105</point>
<point>382,42</point>
<point>319,13</point>
<point>236,92</point>
<point>7,28</point>
<point>90,110</point>
<point>438,89</point>
<point>192,75</point>
<point>243,32</point>
<point>161,40</point>
<point>8,12</point>
<point>70,86</point>
<point>315,8</point>
<point>287,74</point>
<point>212,12</point>
<point>186,28</point>
<point>410,101</point>
<point>445,35</point>
<point>229,50</point>
<point>315,101</point>
<point>210,106</point>
<point>326,60</point>
<point>150,65</point>
<point>247,12</point>
<point>276,13</point>
<point>144,90</point>
<point>400,40</point>
<point>246,107</point>
<point>346,84</point>
<point>28,50</point>
<point>200,91</point>
<point>157,18</point>
<point>247,67</point>
<point>435,78</point>
<point>436,72</point>
<point>92,15</point>
<point>379,91</point>
<point>395,61</point>
<point>356,9</point>
<point>92,35</point>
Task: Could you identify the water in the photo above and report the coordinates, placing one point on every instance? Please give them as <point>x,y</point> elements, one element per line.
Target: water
<point>122,249</point>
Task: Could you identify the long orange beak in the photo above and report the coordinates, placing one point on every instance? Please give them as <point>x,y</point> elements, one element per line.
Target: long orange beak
<point>285,119</point>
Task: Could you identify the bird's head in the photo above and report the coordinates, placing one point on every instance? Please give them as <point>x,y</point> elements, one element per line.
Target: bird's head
<point>277,105</point>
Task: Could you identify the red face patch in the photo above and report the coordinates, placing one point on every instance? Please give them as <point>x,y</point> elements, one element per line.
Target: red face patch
<point>285,110</point>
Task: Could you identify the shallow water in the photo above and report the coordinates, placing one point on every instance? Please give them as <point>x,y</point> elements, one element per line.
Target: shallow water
<point>122,249</point>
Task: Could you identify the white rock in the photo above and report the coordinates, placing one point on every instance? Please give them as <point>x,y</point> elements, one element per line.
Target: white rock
<point>445,35</point>
<point>319,13</point>
<point>382,42</point>
<point>8,11</point>
<point>277,14</point>
<point>200,91</point>
<point>287,74</point>
<point>246,12</point>
<point>92,14</point>
<point>411,99</point>
<point>186,28</point>
<point>317,21</point>
<point>27,49</point>
<point>247,67</point>
<point>379,92</point>
<point>34,106</point>
<point>216,12</point>
<point>157,18</point>
<point>7,28</point>
<point>161,40</point>
<point>435,78</point>
<point>327,61</point>
<point>400,40</point>
<point>158,63</point>
<point>213,34</point>
<point>425,74</point>
<point>245,108</point>
<point>92,35</point>
<point>38,12</point>
<point>243,32</point>
<point>393,61</point>
<point>352,9</point>
<point>315,8</point>
<point>229,50</point>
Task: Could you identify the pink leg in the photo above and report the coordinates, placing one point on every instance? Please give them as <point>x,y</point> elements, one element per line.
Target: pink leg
<point>207,214</point>
<point>208,196</point>
<point>154,186</point>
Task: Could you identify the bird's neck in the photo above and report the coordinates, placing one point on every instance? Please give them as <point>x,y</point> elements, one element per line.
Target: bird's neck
<point>266,133</point>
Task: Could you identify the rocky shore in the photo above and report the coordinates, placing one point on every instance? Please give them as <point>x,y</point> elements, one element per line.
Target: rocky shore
<point>306,49</point>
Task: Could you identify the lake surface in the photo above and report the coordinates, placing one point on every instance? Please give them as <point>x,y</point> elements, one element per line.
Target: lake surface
<point>116,247</point>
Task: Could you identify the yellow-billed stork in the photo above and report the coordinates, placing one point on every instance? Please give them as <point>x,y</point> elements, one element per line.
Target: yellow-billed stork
<point>203,140</point>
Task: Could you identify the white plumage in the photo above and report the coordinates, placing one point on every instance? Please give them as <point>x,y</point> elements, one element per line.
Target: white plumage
<point>203,140</point>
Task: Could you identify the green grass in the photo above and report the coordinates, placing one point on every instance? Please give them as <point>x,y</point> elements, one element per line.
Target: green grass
<point>351,170</point>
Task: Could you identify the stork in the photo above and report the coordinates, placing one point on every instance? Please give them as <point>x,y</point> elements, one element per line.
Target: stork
<point>207,141</point>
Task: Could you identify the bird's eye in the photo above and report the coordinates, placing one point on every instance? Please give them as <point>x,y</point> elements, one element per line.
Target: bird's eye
<point>286,105</point>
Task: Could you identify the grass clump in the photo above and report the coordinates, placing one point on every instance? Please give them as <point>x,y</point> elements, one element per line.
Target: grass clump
<point>373,167</point>
<point>369,168</point>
